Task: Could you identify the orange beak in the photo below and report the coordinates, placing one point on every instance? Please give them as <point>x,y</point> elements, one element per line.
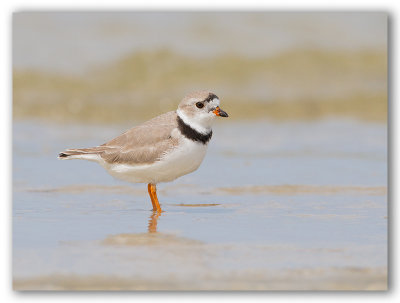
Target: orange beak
<point>219,112</point>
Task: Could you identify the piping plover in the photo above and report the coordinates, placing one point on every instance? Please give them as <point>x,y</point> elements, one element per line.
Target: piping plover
<point>161,149</point>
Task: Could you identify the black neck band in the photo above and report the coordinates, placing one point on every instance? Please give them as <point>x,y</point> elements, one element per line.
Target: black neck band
<point>191,133</point>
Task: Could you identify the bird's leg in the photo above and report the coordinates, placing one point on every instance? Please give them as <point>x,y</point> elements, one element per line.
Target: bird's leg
<point>153,196</point>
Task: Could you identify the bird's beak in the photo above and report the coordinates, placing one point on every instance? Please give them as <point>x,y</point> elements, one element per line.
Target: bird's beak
<point>219,112</point>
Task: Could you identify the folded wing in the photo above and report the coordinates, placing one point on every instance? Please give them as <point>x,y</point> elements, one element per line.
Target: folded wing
<point>143,144</point>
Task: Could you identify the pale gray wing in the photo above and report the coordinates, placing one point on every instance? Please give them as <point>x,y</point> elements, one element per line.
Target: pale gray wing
<point>143,144</point>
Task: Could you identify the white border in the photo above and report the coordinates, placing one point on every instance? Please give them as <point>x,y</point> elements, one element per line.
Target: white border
<point>7,7</point>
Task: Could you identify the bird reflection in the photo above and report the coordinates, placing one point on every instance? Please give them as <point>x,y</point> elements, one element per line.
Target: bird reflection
<point>152,227</point>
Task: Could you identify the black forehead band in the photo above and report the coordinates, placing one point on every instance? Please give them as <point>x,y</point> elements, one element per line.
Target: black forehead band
<point>210,98</point>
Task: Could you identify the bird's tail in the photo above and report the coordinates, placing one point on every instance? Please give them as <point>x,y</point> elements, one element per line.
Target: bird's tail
<point>91,153</point>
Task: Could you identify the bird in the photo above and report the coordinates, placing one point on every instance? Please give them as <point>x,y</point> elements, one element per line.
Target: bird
<point>161,149</point>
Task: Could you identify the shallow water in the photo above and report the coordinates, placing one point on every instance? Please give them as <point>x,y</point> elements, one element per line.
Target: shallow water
<point>300,205</point>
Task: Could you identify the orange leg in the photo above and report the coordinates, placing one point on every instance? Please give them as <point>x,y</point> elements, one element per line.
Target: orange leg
<point>153,196</point>
<point>149,187</point>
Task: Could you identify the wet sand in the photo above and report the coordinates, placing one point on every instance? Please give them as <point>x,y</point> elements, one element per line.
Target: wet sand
<point>304,279</point>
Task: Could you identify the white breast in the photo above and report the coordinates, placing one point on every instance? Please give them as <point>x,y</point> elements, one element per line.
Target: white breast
<point>183,159</point>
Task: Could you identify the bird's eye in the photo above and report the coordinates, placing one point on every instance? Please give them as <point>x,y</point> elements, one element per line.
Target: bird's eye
<point>199,105</point>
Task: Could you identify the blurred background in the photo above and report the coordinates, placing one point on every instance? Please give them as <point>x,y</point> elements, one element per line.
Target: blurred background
<point>115,67</point>
<point>292,194</point>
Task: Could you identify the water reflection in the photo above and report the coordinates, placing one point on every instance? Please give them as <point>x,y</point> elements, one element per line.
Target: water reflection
<point>152,227</point>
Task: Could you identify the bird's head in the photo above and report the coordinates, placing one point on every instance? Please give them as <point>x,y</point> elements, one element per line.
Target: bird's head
<point>199,109</point>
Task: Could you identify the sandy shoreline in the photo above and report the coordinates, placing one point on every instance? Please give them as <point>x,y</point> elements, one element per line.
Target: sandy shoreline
<point>346,279</point>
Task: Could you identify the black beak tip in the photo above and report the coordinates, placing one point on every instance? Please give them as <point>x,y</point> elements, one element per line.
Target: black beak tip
<point>223,114</point>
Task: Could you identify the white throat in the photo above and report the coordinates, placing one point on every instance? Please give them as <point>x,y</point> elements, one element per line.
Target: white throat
<point>193,123</point>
